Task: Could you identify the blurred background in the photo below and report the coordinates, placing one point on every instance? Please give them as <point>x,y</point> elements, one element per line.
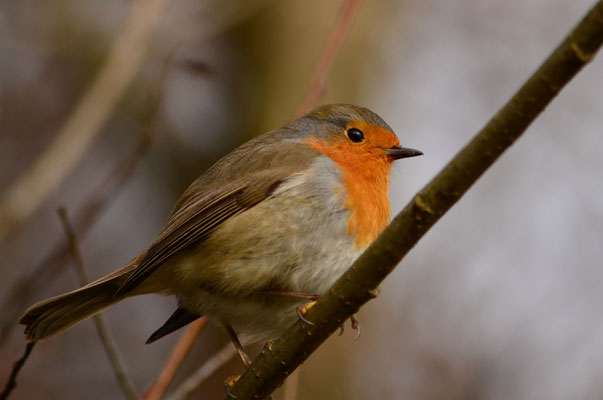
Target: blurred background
<point>501,299</point>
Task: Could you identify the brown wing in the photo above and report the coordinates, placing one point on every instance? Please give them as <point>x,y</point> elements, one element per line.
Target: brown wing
<point>236,183</point>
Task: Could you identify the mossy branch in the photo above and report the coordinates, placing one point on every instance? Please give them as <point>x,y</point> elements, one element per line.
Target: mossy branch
<point>358,285</point>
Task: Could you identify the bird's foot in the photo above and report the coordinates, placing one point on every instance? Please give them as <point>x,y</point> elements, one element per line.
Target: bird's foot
<point>355,326</point>
<point>302,310</point>
<point>229,383</point>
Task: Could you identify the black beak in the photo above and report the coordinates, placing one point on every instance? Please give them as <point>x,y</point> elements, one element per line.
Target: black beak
<point>398,152</point>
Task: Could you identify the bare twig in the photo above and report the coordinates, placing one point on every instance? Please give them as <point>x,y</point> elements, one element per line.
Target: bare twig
<point>84,124</point>
<point>202,373</point>
<point>87,215</point>
<point>12,379</point>
<point>318,85</point>
<point>74,247</point>
<point>358,285</point>
<point>178,355</point>
<point>105,336</point>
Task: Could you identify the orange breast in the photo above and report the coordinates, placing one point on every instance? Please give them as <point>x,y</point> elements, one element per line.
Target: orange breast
<point>366,182</point>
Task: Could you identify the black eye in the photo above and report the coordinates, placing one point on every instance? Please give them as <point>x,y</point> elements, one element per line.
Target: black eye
<point>355,135</point>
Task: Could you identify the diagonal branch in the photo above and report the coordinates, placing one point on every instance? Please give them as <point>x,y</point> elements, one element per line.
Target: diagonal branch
<point>86,216</point>
<point>358,285</point>
<point>103,332</point>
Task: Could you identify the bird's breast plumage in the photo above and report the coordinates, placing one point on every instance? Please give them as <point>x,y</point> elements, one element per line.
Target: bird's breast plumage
<point>296,240</point>
<point>364,187</point>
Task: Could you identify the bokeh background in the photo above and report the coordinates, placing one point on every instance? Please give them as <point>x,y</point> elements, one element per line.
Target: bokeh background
<point>501,299</point>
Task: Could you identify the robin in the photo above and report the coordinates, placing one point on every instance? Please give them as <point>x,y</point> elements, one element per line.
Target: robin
<point>270,226</point>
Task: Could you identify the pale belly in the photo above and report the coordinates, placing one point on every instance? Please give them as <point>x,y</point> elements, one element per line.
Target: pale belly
<point>296,241</point>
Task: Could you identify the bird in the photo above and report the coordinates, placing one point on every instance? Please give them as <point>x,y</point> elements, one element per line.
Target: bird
<point>270,226</point>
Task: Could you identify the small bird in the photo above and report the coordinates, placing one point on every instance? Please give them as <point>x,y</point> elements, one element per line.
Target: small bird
<point>268,227</point>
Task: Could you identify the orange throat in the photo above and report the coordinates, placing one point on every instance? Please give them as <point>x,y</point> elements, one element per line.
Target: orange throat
<point>366,187</point>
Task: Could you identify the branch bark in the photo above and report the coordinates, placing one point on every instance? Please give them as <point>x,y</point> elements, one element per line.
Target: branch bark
<point>359,284</point>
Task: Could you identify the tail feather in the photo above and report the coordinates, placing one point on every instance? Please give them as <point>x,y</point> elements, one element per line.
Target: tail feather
<point>54,315</point>
<point>181,317</point>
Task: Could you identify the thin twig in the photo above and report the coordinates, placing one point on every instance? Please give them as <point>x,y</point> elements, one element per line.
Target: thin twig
<point>210,366</point>
<point>12,379</point>
<point>105,336</point>
<point>318,85</point>
<point>178,355</point>
<point>87,215</point>
<point>86,121</point>
<point>74,247</point>
<point>359,284</point>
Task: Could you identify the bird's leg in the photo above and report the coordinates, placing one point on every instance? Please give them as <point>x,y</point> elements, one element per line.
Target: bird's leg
<point>237,344</point>
<point>355,325</point>
<point>231,380</point>
<point>299,295</point>
<point>302,310</point>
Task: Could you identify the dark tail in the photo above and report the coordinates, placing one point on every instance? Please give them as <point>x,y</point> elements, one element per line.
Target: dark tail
<point>54,315</point>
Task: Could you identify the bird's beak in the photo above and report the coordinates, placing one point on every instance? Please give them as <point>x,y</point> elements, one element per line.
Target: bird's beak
<point>398,152</point>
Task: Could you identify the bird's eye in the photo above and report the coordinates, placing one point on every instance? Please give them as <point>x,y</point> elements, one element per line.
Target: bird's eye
<point>355,135</point>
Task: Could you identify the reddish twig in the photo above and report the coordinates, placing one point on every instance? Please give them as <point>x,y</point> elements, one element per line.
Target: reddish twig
<point>105,336</point>
<point>178,355</point>
<point>206,370</point>
<point>12,379</point>
<point>318,85</point>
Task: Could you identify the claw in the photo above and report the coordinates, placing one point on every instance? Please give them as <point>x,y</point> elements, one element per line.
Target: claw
<point>229,383</point>
<point>341,330</point>
<point>302,310</point>
<point>355,326</point>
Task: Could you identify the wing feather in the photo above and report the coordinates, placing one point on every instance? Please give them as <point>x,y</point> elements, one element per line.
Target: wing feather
<point>191,228</point>
<point>205,205</point>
